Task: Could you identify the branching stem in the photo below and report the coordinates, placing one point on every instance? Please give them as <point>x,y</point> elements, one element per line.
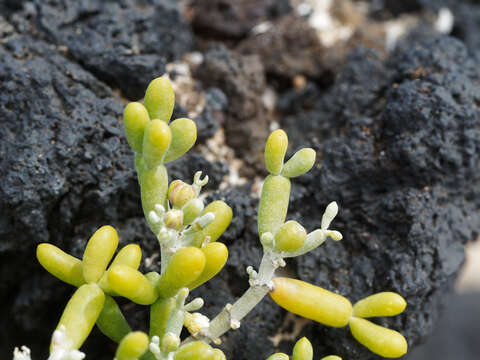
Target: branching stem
<point>231,315</point>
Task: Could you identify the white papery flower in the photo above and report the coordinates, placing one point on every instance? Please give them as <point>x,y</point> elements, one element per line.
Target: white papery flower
<point>21,354</point>
<point>61,347</point>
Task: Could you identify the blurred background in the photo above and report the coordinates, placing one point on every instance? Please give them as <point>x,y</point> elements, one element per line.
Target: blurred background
<point>387,92</point>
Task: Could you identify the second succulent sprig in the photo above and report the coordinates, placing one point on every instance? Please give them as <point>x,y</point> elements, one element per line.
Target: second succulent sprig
<point>280,239</point>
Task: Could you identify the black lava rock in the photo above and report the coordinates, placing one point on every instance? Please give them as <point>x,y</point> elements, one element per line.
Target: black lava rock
<point>466,25</point>
<point>242,80</point>
<point>124,43</point>
<point>466,16</point>
<point>284,52</point>
<point>212,115</point>
<point>54,177</point>
<point>234,18</point>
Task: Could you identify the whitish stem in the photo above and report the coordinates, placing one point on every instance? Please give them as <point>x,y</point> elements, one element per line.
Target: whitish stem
<point>177,316</point>
<point>166,253</point>
<point>231,315</point>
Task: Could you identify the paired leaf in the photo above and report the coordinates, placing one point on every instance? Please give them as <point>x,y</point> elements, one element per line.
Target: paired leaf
<point>132,284</point>
<point>303,350</point>
<point>111,321</point>
<point>184,135</point>
<point>156,142</point>
<point>300,163</point>
<point>290,236</point>
<point>132,346</point>
<point>216,255</point>
<point>130,255</point>
<point>379,340</point>
<point>135,118</point>
<point>381,304</point>
<point>197,350</point>
<point>223,216</point>
<point>278,356</point>
<point>311,302</point>
<point>81,313</point>
<point>275,150</point>
<point>185,266</point>
<point>98,253</point>
<point>160,99</point>
<point>60,264</point>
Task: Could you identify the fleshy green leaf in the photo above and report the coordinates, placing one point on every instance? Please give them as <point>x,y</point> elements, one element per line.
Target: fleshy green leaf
<point>379,340</point>
<point>132,346</point>
<point>302,350</point>
<point>98,253</point>
<point>135,118</point>
<point>132,284</point>
<point>381,304</point>
<point>300,163</point>
<point>216,255</point>
<point>185,266</point>
<point>273,206</point>
<point>275,150</point>
<point>160,99</point>
<point>111,321</point>
<point>81,313</point>
<point>60,264</point>
<point>311,302</point>
<point>184,135</point>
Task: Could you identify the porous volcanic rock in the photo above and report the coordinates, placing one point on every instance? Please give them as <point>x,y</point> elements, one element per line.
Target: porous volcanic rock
<point>465,16</point>
<point>233,18</point>
<point>242,79</point>
<point>124,43</point>
<point>466,25</point>
<point>52,114</point>
<point>286,53</point>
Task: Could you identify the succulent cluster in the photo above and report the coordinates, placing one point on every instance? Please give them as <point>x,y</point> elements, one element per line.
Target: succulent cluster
<point>187,232</point>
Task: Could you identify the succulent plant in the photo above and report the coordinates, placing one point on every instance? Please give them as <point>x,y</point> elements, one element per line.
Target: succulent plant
<point>187,232</point>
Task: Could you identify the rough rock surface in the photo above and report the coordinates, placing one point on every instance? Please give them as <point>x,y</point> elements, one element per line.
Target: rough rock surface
<point>125,43</point>
<point>398,143</point>
<point>467,25</point>
<point>283,53</point>
<point>466,16</point>
<point>242,79</point>
<point>234,18</point>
